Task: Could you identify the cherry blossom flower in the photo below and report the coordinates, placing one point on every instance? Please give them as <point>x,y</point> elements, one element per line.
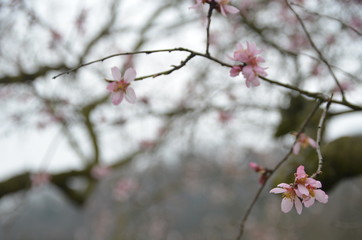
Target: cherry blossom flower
<point>264,172</point>
<point>250,67</point>
<point>120,86</point>
<point>303,141</point>
<point>225,116</point>
<point>40,179</point>
<point>125,188</point>
<point>198,3</point>
<point>99,171</point>
<point>290,198</point>
<point>304,191</point>
<point>308,188</point>
<point>220,5</point>
<point>147,144</point>
<point>224,7</point>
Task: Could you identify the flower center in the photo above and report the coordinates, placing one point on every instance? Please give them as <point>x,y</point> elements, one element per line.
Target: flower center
<point>121,86</point>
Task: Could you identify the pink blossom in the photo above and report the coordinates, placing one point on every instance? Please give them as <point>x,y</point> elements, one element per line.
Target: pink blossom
<point>147,144</point>
<point>39,179</point>
<point>256,167</point>
<point>264,172</point>
<point>303,141</point>
<point>304,191</point>
<point>308,188</point>
<point>124,188</point>
<point>290,198</point>
<point>120,86</point>
<point>346,86</point>
<point>99,171</point>
<point>225,116</point>
<point>224,8</point>
<point>250,67</point>
<point>198,3</point>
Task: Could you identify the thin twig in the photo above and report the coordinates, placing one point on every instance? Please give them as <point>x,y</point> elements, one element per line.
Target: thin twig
<point>319,137</point>
<point>209,14</point>
<point>314,46</point>
<point>329,17</point>
<point>174,68</point>
<point>315,95</point>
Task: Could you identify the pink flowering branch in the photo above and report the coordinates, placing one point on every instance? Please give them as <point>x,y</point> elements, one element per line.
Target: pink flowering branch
<point>315,95</point>
<point>283,160</point>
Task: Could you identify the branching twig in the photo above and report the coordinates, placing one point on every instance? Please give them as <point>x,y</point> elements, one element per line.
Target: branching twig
<point>329,17</point>
<point>314,46</point>
<point>319,137</point>
<point>283,160</point>
<point>209,14</point>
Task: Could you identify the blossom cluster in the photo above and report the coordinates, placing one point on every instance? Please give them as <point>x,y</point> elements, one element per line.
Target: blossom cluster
<point>250,64</point>
<point>304,191</point>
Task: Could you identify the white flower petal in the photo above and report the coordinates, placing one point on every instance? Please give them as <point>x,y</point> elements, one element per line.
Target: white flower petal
<point>129,75</point>
<point>117,98</point>
<point>277,190</point>
<point>116,73</point>
<point>131,95</point>
<point>286,205</point>
<point>298,205</point>
<point>321,196</point>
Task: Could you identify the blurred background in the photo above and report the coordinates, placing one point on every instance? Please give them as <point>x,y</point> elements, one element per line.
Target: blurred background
<point>175,164</point>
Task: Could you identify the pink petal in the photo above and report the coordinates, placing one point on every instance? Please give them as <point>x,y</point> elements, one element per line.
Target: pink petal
<point>111,86</point>
<point>277,190</point>
<point>231,9</point>
<point>235,71</point>
<point>117,98</point>
<point>131,95</point>
<point>308,202</point>
<point>286,205</point>
<point>284,185</point>
<point>298,205</point>
<point>296,148</point>
<point>313,183</point>
<point>312,143</point>
<point>116,73</point>
<point>255,82</point>
<point>222,10</point>
<point>321,196</point>
<point>300,172</point>
<point>129,75</point>
<point>303,190</point>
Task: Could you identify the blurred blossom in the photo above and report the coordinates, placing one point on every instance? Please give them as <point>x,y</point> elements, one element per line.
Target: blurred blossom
<point>346,86</point>
<point>124,188</point>
<point>80,21</point>
<point>303,141</point>
<point>40,179</point>
<point>147,144</point>
<point>99,171</point>
<point>264,172</point>
<point>225,116</point>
